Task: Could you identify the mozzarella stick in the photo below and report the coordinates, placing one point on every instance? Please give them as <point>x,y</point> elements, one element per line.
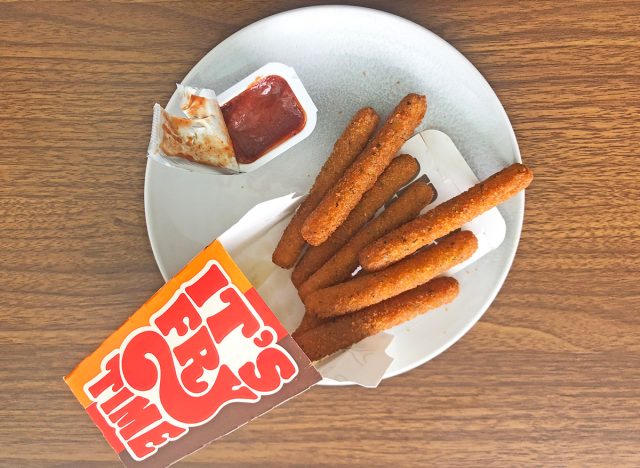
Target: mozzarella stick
<point>446,217</point>
<point>339,267</point>
<point>308,322</point>
<point>346,149</point>
<point>401,170</point>
<point>372,288</point>
<point>365,170</point>
<point>341,332</point>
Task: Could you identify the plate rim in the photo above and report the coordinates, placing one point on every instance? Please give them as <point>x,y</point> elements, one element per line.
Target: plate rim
<point>520,198</point>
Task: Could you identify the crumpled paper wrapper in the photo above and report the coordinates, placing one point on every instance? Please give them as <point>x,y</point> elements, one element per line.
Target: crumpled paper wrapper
<point>252,240</point>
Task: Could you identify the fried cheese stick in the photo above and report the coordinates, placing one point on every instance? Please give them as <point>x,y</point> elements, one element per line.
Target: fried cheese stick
<point>340,266</point>
<point>341,332</point>
<point>308,322</point>
<point>401,170</point>
<point>446,217</point>
<point>365,170</point>
<point>345,150</point>
<point>413,271</point>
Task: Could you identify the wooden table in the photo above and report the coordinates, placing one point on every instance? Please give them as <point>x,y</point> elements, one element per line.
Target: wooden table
<point>550,375</point>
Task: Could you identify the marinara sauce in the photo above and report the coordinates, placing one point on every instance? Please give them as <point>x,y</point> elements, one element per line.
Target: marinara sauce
<point>263,116</point>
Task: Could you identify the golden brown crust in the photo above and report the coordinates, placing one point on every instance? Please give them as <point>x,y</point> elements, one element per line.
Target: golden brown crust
<point>401,170</point>
<point>413,271</point>
<point>308,322</point>
<point>340,266</point>
<point>341,332</point>
<point>345,150</point>
<point>446,217</point>
<point>365,170</point>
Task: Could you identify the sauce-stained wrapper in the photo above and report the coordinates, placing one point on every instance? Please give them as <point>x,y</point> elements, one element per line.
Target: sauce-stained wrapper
<point>203,356</point>
<point>199,138</point>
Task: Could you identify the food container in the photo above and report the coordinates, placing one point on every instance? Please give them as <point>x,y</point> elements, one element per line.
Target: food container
<point>203,356</point>
<point>260,117</point>
<point>289,75</point>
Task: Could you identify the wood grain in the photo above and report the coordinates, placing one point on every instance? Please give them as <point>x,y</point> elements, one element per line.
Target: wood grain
<point>551,374</point>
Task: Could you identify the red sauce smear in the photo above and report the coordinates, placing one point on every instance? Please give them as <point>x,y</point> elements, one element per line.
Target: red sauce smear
<point>263,116</point>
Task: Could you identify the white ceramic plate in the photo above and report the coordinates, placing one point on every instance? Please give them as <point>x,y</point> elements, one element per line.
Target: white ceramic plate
<point>347,58</point>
